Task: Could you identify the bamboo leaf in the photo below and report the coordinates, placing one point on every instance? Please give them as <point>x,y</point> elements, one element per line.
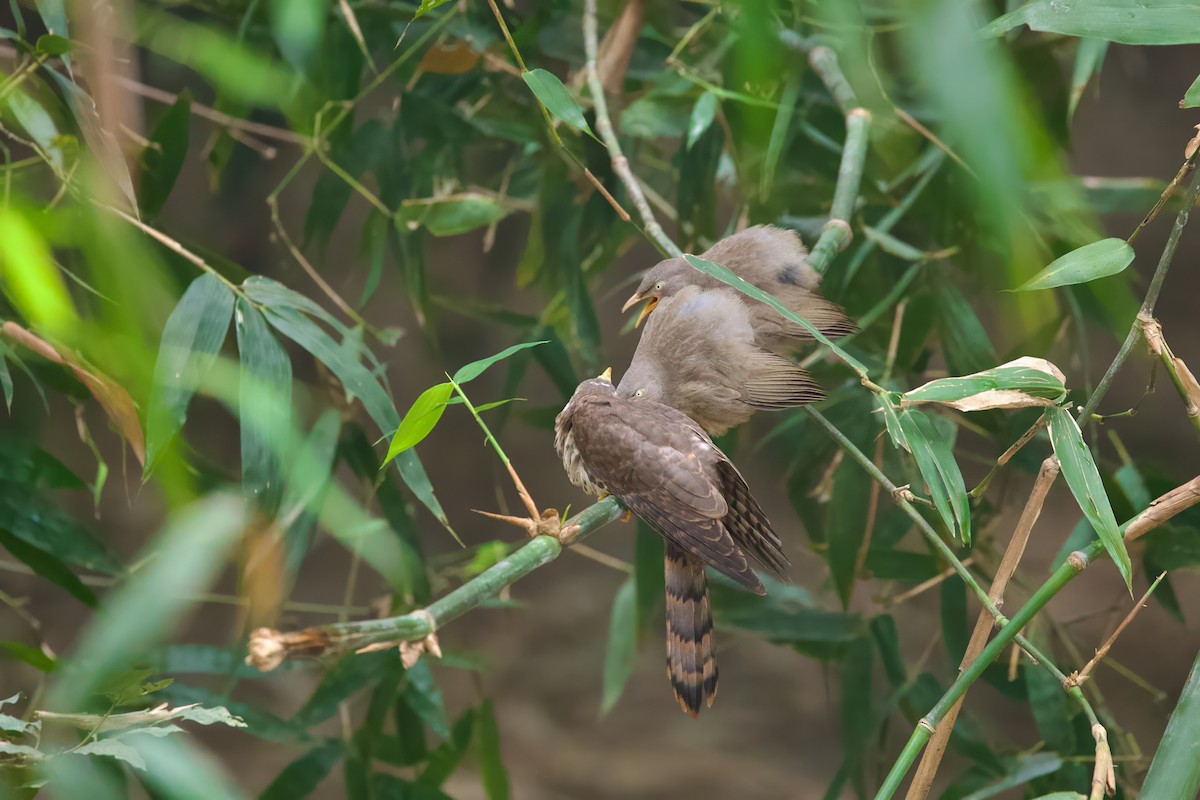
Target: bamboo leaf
<point>265,408</point>
<point>621,651</point>
<point>49,567</point>
<point>1079,470</point>
<point>648,579</point>
<point>100,141</point>
<point>190,342</point>
<point>473,370</point>
<point>1191,98</point>
<point>420,419</point>
<point>187,556</point>
<point>1096,260</point>
<point>557,99</point>
<point>1089,58</point>
<point>1028,768</point>
<point>162,159</point>
<point>30,277</point>
<point>935,460</point>
<point>301,777</point>
<point>113,748</point>
<point>491,765</point>
<point>50,528</point>
<point>1020,383</point>
<point>702,117</point>
<point>1124,21</point>
<point>450,215</point>
<point>1175,770</point>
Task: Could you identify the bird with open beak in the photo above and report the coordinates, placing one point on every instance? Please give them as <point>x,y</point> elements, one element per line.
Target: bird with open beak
<point>663,467</point>
<point>699,354</point>
<point>771,258</point>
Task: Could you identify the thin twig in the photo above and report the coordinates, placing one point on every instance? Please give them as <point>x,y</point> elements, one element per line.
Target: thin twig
<point>1086,672</point>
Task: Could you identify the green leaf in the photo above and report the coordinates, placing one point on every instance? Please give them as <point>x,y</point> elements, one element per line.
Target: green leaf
<point>955,632</point>
<point>1062,796</point>
<point>887,639</point>
<point>47,566</point>
<point>425,698</point>
<point>1089,58</point>
<point>473,370</point>
<point>301,777</point>
<point>351,674</point>
<point>190,342</point>
<point>450,215</point>
<point>420,419</point>
<point>1124,21</point>
<point>1079,470</point>
<point>846,525</point>
<point>491,765</point>
<point>297,26</point>
<point>551,93</point>
<point>649,579</point>
<point>307,484</point>
<point>703,114</point>
<point>444,759</point>
<point>935,459</point>
<point>185,558</point>
<point>621,651</point>
<point>1192,98</point>
<point>360,383</point>
<point>1027,769</point>
<point>52,45</point>
<point>1051,709</point>
<point>1096,260</point>
<point>54,17</point>
<point>30,278</point>
<point>858,718</point>
<point>1173,547</point>
<point>428,5</point>
<point>114,748</point>
<point>5,376</point>
<point>1021,383</point>
<point>265,409</point>
<point>964,339</point>
<point>40,126</point>
<point>32,656</point>
<point>46,525</point>
<point>162,159</point>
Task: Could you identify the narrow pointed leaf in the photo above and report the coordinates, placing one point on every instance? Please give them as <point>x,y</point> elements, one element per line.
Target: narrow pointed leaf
<point>265,407</point>
<point>48,567</point>
<point>473,370</point>
<point>621,651</point>
<point>1192,98</point>
<point>1024,382</point>
<point>1096,260</point>
<point>32,281</point>
<point>703,114</point>
<point>1089,58</point>
<point>450,215</point>
<point>491,765</point>
<point>1123,21</point>
<point>190,342</point>
<point>301,777</point>
<point>420,419</point>
<point>557,99</point>
<point>1079,470</point>
<point>935,460</point>
<point>163,158</point>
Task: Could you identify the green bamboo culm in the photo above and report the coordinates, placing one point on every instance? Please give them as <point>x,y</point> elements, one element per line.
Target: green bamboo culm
<point>1175,771</point>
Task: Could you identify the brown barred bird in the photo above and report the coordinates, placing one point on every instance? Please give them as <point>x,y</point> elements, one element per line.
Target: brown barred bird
<point>663,467</point>
<point>774,260</point>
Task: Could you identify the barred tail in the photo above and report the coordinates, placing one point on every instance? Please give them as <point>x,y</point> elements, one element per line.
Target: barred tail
<point>691,667</point>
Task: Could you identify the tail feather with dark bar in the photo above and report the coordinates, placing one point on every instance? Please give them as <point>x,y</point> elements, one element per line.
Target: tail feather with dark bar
<point>691,666</point>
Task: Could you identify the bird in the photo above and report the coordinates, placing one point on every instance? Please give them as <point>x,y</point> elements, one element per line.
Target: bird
<point>663,467</point>
<point>699,354</point>
<point>771,258</point>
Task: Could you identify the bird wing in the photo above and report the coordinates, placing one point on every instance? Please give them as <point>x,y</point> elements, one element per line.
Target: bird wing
<point>748,524</point>
<point>662,467</point>
<point>773,382</point>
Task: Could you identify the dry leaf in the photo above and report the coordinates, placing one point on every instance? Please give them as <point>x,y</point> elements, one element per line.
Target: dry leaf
<point>451,57</point>
<point>112,396</point>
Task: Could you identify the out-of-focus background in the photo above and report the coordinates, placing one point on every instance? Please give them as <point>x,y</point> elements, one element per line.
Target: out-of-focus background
<point>424,187</point>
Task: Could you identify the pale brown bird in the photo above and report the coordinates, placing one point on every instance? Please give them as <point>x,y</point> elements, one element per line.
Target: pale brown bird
<point>699,354</point>
<point>663,467</point>
<point>774,260</point>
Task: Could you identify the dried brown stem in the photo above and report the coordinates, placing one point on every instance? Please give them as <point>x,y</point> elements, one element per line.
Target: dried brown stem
<point>1163,509</point>
<point>618,44</point>
<point>1185,382</point>
<point>1083,674</point>
<point>932,758</point>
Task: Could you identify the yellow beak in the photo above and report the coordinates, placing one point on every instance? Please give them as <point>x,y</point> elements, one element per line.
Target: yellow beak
<point>605,376</point>
<point>645,312</point>
<point>633,301</point>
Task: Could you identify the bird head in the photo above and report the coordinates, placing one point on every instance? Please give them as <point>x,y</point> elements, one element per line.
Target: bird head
<point>661,281</point>
<point>599,386</point>
<point>643,380</point>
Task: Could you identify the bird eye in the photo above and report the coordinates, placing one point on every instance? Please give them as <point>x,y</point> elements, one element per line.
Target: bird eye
<point>639,393</point>
<point>658,287</point>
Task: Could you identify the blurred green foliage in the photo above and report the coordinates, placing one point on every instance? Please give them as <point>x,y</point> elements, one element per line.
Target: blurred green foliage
<point>440,122</point>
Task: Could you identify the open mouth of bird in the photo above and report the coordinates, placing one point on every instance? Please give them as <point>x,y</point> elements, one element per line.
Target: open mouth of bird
<point>645,312</point>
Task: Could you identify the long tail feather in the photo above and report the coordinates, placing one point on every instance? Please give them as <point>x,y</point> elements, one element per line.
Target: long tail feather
<point>691,667</point>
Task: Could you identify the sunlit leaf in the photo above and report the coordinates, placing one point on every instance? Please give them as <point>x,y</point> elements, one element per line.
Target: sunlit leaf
<point>1021,383</point>
<point>1079,470</point>
<point>621,651</point>
<point>1124,21</point>
<point>190,341</point>
<point>31,280</point>
<point>420,419</point>
<point>52,45</point>
<point>1096,260</point>
<point>550,91</point>
<point>428,5</point>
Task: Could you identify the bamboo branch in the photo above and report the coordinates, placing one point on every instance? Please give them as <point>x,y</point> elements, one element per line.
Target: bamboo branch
<point>1185,382</point>
<point>927,769</point>
<point>1147,309</point>
<point>268,648</point>
<point>1160,511</point>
